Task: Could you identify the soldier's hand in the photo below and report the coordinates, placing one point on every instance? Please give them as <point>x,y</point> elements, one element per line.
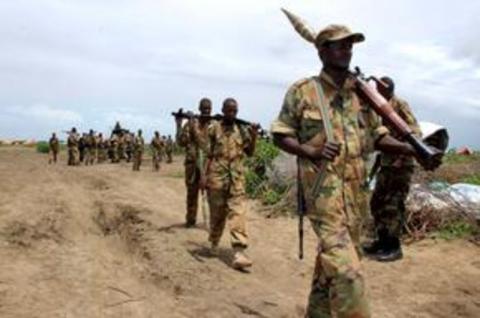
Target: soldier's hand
<point>254,127</point>
<point>329,151</point>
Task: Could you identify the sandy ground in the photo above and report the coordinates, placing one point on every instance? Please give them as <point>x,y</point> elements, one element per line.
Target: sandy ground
<point>105,241</point>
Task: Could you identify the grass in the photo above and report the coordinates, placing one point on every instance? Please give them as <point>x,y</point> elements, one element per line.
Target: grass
<point>456,230</point>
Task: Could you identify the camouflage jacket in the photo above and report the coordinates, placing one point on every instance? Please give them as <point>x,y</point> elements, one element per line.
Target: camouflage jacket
<point>157,144</point>
<point>355,126</point>
<point>72,140</point>
<point>138,144</point>
<point>193,137</point>
<point>54,144</point>
<point>402,108</point>
<point>226,150</point>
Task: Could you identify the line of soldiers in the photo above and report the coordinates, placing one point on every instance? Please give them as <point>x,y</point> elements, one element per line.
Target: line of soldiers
<point>90,148</point>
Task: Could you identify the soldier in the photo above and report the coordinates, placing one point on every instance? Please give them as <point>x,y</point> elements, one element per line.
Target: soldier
<point>101,148</point>
<point>53,148</point>
<point>90,143</point>
<point>169,149</point>
<point>191,137</point>
<point>121,146</point>
<point>129,137</point>
<point>156,145</point>
<point>113,149</point>
<point>72,146</point>
<point>138,144</point>
<point>228,145</point>
<point>336,211</point>
<point>391,188</point>
<point>82,146</point>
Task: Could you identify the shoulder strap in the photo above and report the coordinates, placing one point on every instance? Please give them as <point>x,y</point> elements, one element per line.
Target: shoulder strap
<point>324,111</point>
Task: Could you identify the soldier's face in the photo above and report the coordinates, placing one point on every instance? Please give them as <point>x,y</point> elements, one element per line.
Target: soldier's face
<point>337,54</point>
<point>205,109</point>
<point>230,110</point>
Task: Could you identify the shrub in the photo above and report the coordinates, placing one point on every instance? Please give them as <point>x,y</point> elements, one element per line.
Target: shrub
<point>42,147</point>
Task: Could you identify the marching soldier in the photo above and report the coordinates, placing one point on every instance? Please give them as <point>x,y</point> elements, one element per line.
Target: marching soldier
<point>156,145</point>
<point>169,149</point>
<point>72,146</point>
<point>138,145</point>
<point>53,149</point>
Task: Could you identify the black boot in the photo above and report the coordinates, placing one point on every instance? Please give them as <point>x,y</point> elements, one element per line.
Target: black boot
<point>373,248</point>
<point>391,252</point>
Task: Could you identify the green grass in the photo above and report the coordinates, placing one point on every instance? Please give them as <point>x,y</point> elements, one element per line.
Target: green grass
<point>456,230</point>
<point>473,179</point>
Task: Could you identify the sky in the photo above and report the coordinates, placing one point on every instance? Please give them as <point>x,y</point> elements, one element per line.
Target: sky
<point>89,63</point>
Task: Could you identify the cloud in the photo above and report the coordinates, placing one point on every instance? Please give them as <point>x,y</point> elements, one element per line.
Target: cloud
<point>42,112</point>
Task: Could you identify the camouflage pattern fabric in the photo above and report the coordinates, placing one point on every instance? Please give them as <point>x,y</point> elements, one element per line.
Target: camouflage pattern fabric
<point>169,150</point>
<point>393,181</point>
<point>226,182</point>
<point>138,145</point>
<point>114,149</point>
<point>336,214</point>
<point>156,145</point>
<point>90,150</point>
<point>121,145</point>
<point>53,149</point>
<point>192,137</point>
<point>101,149</point>
<point>73,153</point>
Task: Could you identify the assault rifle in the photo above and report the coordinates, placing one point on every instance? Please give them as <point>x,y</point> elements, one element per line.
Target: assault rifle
<point>429,158</point>
<point>190,115</point>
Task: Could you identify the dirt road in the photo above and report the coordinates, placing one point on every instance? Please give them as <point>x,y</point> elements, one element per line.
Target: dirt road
<point>105,241</point>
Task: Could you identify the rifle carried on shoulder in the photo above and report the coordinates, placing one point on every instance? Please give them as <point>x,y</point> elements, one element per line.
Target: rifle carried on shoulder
<point>190,115</point>
<point>429,158</point>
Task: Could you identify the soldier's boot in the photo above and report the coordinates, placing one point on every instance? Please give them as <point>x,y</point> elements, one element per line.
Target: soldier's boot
<point>376,246</point>
<point>240,260</point>
<point>391,252</point>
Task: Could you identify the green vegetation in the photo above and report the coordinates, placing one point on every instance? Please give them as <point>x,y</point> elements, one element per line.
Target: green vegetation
<point>472,179</point>
<point>42,147</point>
<point>451,157</point>
<point>256,175</point>
<point>456,230</point>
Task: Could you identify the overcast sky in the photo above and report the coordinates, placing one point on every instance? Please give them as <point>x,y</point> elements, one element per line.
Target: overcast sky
<point>88,63</point>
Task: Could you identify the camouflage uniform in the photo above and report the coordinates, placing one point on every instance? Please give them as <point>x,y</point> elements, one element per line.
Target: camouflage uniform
<point>169,149</point>
<point>90,149</point>
<point>102,147</point>
<point>113,149</point>
<point>336,213</point>
<point>53,148</point>
<point>121,147</point>
<point>226,182</point>
<point>192,136</point>
<point>156,145</point>
<point>72,145</point>
<point>393,181</point>
<point>138,144</point>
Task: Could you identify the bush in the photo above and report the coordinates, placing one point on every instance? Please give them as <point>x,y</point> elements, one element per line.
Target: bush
<point>42,147</point>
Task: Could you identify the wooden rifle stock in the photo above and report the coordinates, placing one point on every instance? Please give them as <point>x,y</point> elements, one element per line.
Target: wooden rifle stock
<point>426,156</point>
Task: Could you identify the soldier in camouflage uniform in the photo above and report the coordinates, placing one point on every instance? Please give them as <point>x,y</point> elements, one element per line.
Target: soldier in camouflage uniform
<point>191,136</point>
<point>156,145</point>
<point>122,140</point>
<point>90,148</point>
<point>169,149</point>
<point>391,187</point>
<point>53,149</point>
<point>228,145</point>
<point>128,138</point>
<point>337,210</point>
<point>101,148</point>
<point>138,145</point>
<point>72,146</point>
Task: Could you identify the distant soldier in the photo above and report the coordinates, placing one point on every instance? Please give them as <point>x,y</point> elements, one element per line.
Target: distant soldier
<point>90,148</point>
<point>138,144</point>
<point>53,148</point>
<point>228,145</point>
<point>156,145</point>
<point>169,149</point>
<point>113,149</point>
<point>121,146</point>
<point>192,136</point>
<point>391,187</point>
<point>129,137</point>
<point>72,146</point>
<point>82,146</point>
<point>101,149</point>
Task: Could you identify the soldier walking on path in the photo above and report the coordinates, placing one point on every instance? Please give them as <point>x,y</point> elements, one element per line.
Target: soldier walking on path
<point>228,144</point>
<point>72,146</point>
<point>391,188</point>
<point>192,136</point>
<point>90,143</point>
<point>53,149</point>
<point>325,123</point>
<point>138,145</point>
<point>156,145</point>
<point>169,149</point>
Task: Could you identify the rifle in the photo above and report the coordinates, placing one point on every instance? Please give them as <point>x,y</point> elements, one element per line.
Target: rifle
<point>301,208</point>
<point>190,115</point>
<point>429,158</point>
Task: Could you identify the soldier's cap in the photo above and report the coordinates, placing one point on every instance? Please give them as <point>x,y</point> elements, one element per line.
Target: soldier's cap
<point>337,32</point>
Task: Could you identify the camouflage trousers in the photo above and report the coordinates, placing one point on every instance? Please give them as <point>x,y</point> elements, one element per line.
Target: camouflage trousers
<point>156,160</point>
<point>90,155</point>
<point>72,156</point>
<point>169,157</point>
<point>338,288</point>
<point>388,200</point>
<point>225,206</point>
<point>137,160</point>
<point>101,155</point>
<point>52,156</point>
<point>192,179</point>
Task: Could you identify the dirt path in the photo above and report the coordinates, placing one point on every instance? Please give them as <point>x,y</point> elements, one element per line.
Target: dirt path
<point>104,241</point>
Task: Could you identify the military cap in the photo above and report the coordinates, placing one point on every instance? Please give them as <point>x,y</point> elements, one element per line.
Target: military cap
<point>337,32</point>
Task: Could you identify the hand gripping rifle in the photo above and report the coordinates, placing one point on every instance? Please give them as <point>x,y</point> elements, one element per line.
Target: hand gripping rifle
<point>429,158</point>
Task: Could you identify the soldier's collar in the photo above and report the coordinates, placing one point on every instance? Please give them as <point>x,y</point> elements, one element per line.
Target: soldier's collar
<point>348,85</point>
